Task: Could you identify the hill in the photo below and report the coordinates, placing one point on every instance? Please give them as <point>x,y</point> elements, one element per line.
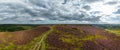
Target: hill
<point>60,37</point>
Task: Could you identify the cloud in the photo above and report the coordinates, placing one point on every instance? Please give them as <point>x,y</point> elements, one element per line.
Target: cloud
<point>55,11</point>
<point>117,12</point>
<point>112,2</point>
<point>87,7</point>
<point>65,1</point>
<point>91,1</point>
<point>114,19</point>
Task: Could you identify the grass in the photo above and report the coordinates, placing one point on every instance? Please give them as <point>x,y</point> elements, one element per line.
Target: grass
<point>41,45</point>
<point>70,38</point>
<point>117,32</point>
<point>12,46</point>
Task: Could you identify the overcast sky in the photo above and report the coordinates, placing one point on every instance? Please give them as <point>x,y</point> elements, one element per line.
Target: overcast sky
<point>60,11</point>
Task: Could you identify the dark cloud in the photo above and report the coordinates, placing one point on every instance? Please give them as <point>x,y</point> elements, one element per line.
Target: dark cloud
<point>87,7</point>
<point>117,12</point>
<point>40,3</point>
<point>91,1</point>
<point>112,2</point>
<point>65,1</point>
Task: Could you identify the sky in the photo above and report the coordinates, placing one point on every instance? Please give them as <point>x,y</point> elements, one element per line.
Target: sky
<point>59,11</point>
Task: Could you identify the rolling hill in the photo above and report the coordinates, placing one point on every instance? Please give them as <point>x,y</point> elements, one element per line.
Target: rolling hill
<point>60,37</point>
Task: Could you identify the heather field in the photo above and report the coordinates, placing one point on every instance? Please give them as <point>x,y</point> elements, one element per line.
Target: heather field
<point>59,37</point>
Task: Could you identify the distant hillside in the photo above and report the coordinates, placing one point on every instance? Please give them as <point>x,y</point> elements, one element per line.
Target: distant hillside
<point>12,28</point>
<point>60,37</point>
<point>108,26</point>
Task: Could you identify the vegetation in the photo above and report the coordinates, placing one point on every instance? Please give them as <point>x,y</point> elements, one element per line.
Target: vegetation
<point>59,37</point>
<point>108,26</point>
<point>115,31</point>
<point>12,45</point>
<point>11,28</point>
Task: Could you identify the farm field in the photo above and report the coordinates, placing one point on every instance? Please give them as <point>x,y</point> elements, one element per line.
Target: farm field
<point>58,37</point>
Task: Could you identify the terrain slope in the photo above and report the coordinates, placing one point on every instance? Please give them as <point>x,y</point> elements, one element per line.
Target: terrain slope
<point>60,37</point>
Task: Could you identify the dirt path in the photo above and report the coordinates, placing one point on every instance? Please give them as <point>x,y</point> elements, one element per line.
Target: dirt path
<point>41,44</point>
